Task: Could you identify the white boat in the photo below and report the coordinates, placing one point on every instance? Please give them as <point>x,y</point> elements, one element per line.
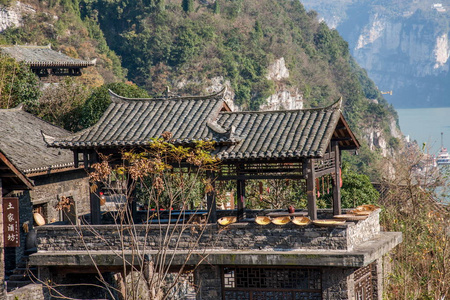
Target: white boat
<point>443,158</point>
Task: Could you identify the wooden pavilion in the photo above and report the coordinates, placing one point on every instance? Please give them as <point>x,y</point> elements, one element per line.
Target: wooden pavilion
<point>289,144</point>
<point>44,62</point>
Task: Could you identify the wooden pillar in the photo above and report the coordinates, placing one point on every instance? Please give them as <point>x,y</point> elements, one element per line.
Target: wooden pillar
<point>211,200</point>
<point>311,190</point>
<point>337,180</point>
<point>95,205</point>
<point>131,201</point>
<point>240,191</point>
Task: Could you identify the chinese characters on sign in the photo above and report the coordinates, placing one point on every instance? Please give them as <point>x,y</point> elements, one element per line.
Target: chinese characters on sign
<point>11,222</point>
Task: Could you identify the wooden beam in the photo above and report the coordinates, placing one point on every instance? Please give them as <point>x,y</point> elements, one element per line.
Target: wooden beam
<point>337,182</point>
<point>23,178</point>
<point>311,190</point>
<point>324,172</point>
<point>247,177</point>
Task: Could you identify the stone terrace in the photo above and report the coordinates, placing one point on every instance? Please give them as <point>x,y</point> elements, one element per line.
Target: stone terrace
<point>352,244</point>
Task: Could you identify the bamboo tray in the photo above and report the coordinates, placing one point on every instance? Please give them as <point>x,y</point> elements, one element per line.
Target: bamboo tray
<point>281,220</point>
<point>351,217</point>
<point>263,220</point>
<point>301,221</point>
<point>329,222</point>
<point>39,219</point>
<point>227,220</point>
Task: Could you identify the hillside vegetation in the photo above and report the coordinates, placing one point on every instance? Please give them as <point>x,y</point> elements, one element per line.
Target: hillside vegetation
<point>184,44</point>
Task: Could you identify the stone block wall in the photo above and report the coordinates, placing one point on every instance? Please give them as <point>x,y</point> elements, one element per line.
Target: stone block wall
<point>239,236</point>
<point>28,292</point>
<point>49,189</point>
<point>364,230</point>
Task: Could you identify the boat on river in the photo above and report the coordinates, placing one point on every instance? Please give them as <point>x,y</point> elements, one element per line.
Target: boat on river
<point>443,158</point>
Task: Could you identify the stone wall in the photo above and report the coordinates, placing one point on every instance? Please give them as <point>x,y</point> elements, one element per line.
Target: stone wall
<point>239,236</point>
<point>28,292</point>
<point>364,230</point>
<point>208,280</point>
<point>337,284</point>
<point>49,189</point>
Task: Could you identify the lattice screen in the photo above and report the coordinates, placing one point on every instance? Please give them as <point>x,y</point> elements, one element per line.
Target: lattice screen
<point>272,283</point>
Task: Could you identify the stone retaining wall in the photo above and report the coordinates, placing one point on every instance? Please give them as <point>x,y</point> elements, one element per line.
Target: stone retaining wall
<point>239,236</point>
<point>28,292</point>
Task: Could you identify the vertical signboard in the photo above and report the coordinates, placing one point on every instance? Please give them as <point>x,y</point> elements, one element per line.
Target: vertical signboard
<point>11,222</point>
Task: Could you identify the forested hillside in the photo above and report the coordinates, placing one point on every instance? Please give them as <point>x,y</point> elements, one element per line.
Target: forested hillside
<point>191,45</point>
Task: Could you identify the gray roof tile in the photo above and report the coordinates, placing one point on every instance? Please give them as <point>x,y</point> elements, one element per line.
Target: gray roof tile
<point>249,135</point>
<point>21,141</point>
<point>43,56</point>
<point>135,122</point>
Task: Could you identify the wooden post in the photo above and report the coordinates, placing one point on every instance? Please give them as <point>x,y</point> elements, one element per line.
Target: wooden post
<point>95,206</point>
<point>337,180</point>
<point>311,190</point>
<point>131,202</point>
<point>240,190</point>
<point>211,200</point>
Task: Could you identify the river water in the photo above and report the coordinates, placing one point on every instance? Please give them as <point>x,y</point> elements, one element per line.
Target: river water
<point>425,126</point>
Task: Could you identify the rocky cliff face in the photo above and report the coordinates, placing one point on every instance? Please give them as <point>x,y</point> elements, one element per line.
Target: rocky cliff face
<point>405,49</point>
<point>12,15</point>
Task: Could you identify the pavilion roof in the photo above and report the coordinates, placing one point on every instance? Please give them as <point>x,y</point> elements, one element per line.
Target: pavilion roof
<point>279,134</point>
<point>239,135</point>
<point>134,122</point>
<point>43,56</point>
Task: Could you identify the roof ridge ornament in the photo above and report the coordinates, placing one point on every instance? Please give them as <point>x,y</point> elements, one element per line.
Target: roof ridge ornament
<point>19,107</point>
<point>212,124</point>
<point>48,139</point>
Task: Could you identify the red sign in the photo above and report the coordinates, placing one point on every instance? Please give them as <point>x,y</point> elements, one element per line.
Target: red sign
<point>11,230</point>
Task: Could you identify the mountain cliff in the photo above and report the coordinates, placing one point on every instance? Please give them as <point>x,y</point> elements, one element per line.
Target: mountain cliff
<point>403,45</point>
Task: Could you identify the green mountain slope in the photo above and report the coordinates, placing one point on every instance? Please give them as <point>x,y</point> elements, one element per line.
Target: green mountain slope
<point>184,44</point>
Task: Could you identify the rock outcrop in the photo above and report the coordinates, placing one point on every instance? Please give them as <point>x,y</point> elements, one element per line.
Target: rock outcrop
<point>12,15</point>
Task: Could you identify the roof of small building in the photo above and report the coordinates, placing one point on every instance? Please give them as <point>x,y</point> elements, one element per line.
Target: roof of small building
<point>239,135</point>
<point>279,134</point>
<point>43,56</point>
<point>134,122</point>
<point>21,141</point>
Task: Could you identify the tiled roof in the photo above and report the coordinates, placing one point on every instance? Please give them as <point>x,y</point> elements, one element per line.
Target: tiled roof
<point>21,141</point>
<point>43,56</point>
<point>133,122</point>
<point>239,135</point>
<point>279,134</point>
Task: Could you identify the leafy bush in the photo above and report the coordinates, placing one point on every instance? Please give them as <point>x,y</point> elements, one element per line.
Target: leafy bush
<point>99,100</point>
